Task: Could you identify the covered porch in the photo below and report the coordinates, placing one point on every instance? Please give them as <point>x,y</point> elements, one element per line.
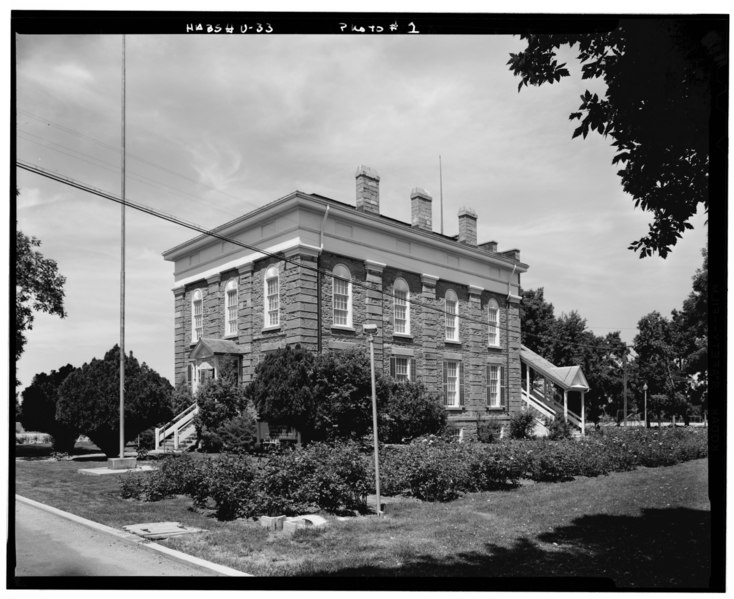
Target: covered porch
<point>554,391</point>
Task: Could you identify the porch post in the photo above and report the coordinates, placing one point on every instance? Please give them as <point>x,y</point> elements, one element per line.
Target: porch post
<point>565,405</point>
<point>583,415</point>
<point>527,378</point>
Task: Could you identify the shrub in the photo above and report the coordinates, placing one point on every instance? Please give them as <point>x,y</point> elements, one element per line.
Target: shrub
<point>89,400</point>
<point>132,486</point>
<point>558,428</point>
<point>178,475</point>
<point>146,439</point>
<point>521,425</point>
<point>238,434</point>
<point>410,412</point>
<point>231,483</point>
<point>220,400</point>
<point>489,431</point>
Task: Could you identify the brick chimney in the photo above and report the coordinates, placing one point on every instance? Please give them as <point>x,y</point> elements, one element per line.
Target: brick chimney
<point>368,189</point>
<point>468,226</point>
<point>421,209</point>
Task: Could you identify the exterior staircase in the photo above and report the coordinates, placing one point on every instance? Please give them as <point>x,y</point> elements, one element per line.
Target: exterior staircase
<point>179,434</point>
<point>541,381</point>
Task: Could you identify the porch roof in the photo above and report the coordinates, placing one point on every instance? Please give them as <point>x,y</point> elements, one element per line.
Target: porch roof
<point>569,378</point>
<point>206,348</point>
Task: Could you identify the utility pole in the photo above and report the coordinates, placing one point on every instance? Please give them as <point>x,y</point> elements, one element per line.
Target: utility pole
<point>370,329</point>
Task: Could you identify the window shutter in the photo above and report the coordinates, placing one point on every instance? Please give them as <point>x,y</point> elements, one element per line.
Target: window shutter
<point>461,383</point>
<point>392,366</point>
<point>503,389</point>
<point>411,361</point>
<point>488,390</point>
<point>188,374</point>
<point>445,385</point>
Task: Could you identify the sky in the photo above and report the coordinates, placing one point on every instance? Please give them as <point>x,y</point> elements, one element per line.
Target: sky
<point>217,126</point>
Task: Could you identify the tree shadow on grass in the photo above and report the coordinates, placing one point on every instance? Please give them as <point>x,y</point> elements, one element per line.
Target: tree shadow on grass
<point>661,549</point>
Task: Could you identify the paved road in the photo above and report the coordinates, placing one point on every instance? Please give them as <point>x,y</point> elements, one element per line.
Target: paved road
<point>49,545</point>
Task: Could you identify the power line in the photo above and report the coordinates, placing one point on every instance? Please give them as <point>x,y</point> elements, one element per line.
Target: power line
<point>216,234</point>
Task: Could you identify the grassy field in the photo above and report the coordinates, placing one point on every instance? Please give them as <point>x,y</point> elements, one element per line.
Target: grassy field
<point>649,528</point>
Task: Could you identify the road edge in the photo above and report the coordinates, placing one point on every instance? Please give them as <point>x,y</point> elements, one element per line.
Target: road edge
<point>135,539</point>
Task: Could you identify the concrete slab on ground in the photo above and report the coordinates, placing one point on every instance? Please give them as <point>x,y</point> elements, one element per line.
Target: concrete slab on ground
<point>105,470</point>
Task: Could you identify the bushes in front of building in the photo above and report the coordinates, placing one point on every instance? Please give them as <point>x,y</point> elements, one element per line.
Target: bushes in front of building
<point>437,470</point>
<point>410,412</point>
<point>321,476</point>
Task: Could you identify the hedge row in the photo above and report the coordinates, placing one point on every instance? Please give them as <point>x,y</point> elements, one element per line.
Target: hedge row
<point>322,476</point>
<point>339,476</point>
<point>436,470</point>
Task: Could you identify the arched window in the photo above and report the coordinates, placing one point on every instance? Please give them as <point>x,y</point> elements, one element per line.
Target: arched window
<point>197,316</point>
<point>230,308</point>
<point>272,297</point>
<point>342,296</point>
<point>401,293</point>
<point>451,302</point>
<point>493,317</point>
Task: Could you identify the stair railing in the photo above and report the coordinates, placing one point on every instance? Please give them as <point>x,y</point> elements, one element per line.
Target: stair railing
<point>549,407</point>
<point>175,426</point>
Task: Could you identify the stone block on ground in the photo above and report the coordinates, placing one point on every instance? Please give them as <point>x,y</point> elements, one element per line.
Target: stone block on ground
<point>295,523</point>
<point>272,522</point>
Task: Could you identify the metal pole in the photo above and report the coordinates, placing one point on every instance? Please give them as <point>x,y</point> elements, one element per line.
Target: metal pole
<point>374,424</point>
<point>122,270</point>
<point>624,369</point>
<point>645,390</point>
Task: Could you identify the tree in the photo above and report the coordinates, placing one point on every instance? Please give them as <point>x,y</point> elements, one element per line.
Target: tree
<point>39,409</point>
<point>222,416</point>
<point>657,107</point>
<point>409,412</point>
<point>89,399</point>
<point>537,318</point>
<point>38,287</point>
<point>281,390</point>
<point>182,397</point>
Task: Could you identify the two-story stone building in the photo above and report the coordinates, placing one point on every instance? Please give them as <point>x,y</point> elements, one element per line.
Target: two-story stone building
<point>309,270</point>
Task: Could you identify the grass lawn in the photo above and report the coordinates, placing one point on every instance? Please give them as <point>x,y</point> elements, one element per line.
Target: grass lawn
<point>649,528</point>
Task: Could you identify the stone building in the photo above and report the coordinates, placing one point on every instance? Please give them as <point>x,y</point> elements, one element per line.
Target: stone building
<point>312,271</point>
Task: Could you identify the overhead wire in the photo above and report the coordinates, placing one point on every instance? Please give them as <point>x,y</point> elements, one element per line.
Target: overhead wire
<point>215,232</point>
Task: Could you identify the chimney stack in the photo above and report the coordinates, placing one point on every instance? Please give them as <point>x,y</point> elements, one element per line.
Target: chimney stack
<point>368,189</point>
<point>468,226</point>
<point>421,204</point>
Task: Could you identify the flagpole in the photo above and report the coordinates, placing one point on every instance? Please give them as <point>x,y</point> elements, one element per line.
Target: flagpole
<point>122,270</point>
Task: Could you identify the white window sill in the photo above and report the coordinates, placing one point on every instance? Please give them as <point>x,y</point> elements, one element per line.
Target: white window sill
<point>231,336</point>
<point>454,408</point>
<point>273,328</point>
<point>492,346</point>
<point>453,341</point>
<point>403,336</point>
<point>495,408</point>
<point>342,327</point>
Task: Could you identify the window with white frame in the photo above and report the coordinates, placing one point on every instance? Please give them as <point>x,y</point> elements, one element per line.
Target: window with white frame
<point>197,316</point>
<point>230,308</point>
<point>342,296</point>
<point>272,297</point>
<point>402,368</point>
<point>496,391</point>
<point>451,303</point>
<point>401,293</point>
<point>453,383</point>
<point>493,316</point>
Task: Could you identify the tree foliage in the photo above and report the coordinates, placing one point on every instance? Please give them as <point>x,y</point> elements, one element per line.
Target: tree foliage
<point>329,397</point>
<point>39,409</point>
<point>38,287</point>
<point>89,399</point>
<point>656,109</point>
<point>672,353</point>
<point>222,422</point>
